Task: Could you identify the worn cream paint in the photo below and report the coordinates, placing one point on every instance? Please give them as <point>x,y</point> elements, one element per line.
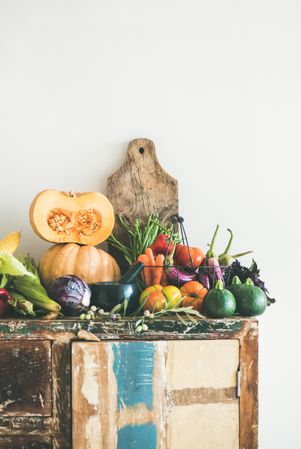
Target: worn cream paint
<point>205,363</point>
<point>159,392</point>
<point>90,384</point>
<point>204,426</point>
<point>86,383</point>
<point>93,433</point>
<point>139,414</point>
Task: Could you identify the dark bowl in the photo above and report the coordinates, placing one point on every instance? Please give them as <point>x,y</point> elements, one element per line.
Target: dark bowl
<point>106,295</point>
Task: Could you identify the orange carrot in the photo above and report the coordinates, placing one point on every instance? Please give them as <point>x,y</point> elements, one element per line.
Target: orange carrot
<point>150,255</point>
<point>158,269</point>
<point>147,271</point>
<point>164,280</point>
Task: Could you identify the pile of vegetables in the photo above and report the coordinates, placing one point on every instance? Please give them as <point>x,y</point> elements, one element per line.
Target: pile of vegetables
<point>176,280</point>
<point>21,288</point>
<point>177,275</point>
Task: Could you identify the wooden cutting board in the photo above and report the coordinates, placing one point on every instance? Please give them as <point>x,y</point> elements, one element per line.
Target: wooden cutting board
<point>141,186</point>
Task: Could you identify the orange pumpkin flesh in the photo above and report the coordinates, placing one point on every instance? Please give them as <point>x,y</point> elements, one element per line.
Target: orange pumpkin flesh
<point>194,293</point>
<point>59,217</point>
<point>87,262</point>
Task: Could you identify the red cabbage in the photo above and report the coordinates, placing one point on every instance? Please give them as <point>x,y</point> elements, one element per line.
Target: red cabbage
<point>72,293</point>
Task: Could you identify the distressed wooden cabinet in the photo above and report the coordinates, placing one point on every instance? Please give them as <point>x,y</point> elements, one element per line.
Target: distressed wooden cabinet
<point>169,388</point>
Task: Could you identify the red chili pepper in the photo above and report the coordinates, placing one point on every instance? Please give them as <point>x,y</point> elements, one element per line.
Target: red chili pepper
<point>4,301</point>
<point>162,245</point>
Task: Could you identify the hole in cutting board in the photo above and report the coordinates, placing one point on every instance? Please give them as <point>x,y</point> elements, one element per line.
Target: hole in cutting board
<point>141,150</point>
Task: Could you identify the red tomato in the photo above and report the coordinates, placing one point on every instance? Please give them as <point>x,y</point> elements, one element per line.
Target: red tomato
<point>182,256</point>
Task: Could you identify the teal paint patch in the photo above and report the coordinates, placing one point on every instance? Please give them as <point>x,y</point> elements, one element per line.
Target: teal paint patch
<point>143,436</point>
<point>133,368</point>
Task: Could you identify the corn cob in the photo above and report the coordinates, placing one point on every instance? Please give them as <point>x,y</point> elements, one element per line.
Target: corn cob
<point>10,242</point>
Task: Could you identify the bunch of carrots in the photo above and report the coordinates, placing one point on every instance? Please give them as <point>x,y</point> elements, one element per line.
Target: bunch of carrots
<point>153,272</point>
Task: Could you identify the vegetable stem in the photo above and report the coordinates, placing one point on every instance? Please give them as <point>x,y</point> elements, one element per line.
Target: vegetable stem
<point>229,242</point>
<point>235,256</point>
<point>210,252</point>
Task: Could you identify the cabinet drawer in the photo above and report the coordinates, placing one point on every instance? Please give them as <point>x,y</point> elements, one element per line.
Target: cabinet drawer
<point>171,394</point>
<point>25,378</point>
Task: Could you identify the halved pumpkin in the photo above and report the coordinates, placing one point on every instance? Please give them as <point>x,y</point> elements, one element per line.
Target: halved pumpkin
<point>60,217</point>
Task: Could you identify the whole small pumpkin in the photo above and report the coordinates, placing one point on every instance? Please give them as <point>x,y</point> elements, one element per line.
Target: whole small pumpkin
<point>86,262</point>
<point>250,300</point>
<point>219,302</point>
<point>236,288</point>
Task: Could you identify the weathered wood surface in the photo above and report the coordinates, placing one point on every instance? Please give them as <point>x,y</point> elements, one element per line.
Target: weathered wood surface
<point>25,443</point>
<point>25,378</point>
<point>141,187</point>
<point>35,393</point>
<point>163,329</point>
<point>54,431</point>
<point>151,395</point>
<point>249,389</point>
<point>61,374</point>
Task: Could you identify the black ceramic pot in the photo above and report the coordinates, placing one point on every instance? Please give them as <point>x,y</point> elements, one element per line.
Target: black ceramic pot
<point>106,295</point>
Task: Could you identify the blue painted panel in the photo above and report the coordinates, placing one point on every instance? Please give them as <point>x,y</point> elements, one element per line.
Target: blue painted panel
<point>133,367</point>
<point>139,436</point>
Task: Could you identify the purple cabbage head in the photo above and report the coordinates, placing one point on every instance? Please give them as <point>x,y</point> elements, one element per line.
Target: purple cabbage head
<point>71,293</point>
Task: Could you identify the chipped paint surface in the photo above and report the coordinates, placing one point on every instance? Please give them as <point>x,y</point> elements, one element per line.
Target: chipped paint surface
<point>215,364</point>
<point>137,436</point>
<point>204,426</point>
<point>133,368</point>
<point>98,417</point>
<point>90,385</point>
<point>158,329</point>
<point>93,432</point>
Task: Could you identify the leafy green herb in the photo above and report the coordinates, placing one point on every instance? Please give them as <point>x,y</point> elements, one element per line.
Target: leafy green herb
<point>253,272</point>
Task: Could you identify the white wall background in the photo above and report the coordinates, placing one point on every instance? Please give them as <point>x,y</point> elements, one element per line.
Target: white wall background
<point>217,85</point>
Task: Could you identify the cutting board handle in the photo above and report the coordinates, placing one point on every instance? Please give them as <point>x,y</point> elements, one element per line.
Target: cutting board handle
<point>142,152</point>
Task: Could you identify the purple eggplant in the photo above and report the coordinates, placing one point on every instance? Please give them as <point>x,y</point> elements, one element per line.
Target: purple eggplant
<point>178,277</point>
<point>203,278</point>
<point>213,267</point>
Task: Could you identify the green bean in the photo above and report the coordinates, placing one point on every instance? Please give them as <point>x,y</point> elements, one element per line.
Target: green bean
<point>140,235</point>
